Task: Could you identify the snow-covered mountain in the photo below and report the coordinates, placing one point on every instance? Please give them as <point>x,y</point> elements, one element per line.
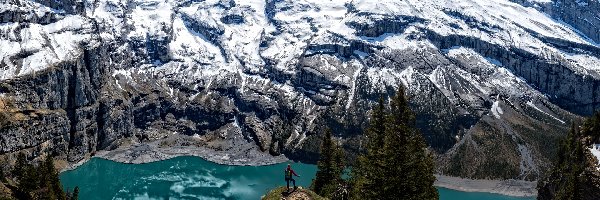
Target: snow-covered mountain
<point>494,82</point>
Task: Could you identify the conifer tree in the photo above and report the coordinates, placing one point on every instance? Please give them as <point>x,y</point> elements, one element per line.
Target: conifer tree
<point>330,167</point>
<point>2,176</point>
<point>18,171</point>
<point>573,175</point>
<point>367,173</point>
<point>397,164</point>
<point>398,160</point>
<point>52,183</point>
<point>28,181</point>
<point>591,128</point>
<point>75,195</point>
<point>39,181</point>
<point>44,178</point>
<point>425,169</point>
<point>407,161</point>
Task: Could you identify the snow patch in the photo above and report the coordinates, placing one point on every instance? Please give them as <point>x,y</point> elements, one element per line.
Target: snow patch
<point>361,54</point>
<point>494,61</point>
<point>531,104</point>
<point>496,110</point>
<point>353,89</point>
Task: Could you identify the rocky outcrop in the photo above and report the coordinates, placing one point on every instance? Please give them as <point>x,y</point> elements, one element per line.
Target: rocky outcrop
<point>576,92</point>
<point>65,98</point>
<point>581,14</point>
<point>15,14</point>
<point>76,7</point>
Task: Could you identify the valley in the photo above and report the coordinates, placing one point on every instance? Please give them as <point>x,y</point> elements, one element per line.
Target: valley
<point>494,84</point>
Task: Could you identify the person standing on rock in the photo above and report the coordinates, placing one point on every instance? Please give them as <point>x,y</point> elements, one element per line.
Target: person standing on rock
<point>288,176</point>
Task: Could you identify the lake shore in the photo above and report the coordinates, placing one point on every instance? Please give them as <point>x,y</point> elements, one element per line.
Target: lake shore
<point>146,153</point>
<point>249,155</point>
<point>244,154</point>
<point>517,188</point>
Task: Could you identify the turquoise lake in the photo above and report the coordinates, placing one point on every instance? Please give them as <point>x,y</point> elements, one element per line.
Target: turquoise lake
<point>195,178</point>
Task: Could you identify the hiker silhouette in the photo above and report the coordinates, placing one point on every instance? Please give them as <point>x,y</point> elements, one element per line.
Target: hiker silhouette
<point>288,176</point>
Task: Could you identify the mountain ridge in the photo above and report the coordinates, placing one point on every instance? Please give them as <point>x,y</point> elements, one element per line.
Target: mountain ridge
<point>493,83</point>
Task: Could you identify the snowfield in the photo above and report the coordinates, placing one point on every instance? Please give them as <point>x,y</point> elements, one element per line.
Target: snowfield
<point>248,34</point>
<point>482,75</point>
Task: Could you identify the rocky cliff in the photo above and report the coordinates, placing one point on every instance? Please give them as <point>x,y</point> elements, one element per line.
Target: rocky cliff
<point>494,83</point>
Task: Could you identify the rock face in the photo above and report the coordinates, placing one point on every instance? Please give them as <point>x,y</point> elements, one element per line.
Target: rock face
<point>582,15</point>
<point>494,83</point>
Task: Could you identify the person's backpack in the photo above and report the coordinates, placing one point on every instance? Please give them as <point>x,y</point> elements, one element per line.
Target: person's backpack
<point>288,174</point>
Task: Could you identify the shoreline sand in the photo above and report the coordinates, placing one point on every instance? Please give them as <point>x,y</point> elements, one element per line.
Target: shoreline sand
<point>516,188</point>
<point>142,153</point>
